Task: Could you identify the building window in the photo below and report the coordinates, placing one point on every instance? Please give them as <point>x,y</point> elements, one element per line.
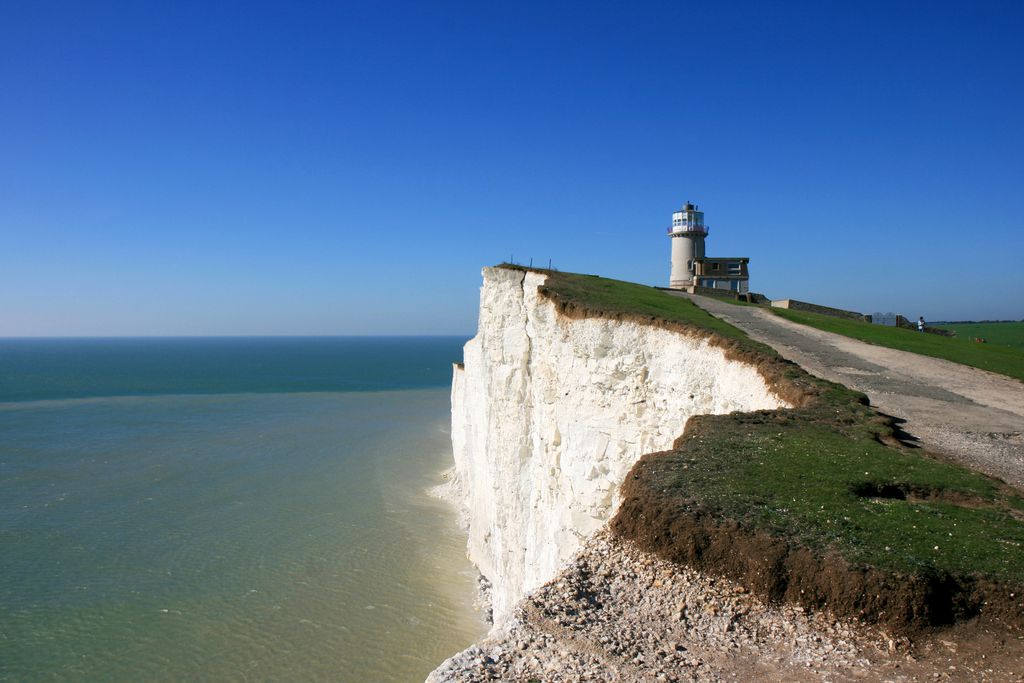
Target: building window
<point>714,266</point>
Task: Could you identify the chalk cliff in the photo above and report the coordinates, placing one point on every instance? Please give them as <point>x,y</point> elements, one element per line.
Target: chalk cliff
<point>549,413</point>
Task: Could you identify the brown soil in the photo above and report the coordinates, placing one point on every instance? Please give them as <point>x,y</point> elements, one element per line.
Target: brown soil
<point>919,494</point>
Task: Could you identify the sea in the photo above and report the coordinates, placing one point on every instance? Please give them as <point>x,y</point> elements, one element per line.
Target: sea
<point>229,509</point>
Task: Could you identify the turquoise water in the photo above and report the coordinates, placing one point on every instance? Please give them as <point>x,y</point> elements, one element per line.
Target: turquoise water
<point>219,510</point>
<point>35,369</point>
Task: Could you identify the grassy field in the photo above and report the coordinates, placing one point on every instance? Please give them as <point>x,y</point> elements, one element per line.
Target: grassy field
<point>1002,334</point>
<point>878,506</point>
<point>1005,360</point>
<point>825,479</point>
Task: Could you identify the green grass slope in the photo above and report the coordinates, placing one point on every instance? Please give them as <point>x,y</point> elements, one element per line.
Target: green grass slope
<point>627,298</point>
<point>1004,360</point>
<point>1003,334</point>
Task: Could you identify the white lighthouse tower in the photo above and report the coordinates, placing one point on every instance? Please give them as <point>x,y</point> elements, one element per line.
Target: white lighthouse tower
<point>687,232</point>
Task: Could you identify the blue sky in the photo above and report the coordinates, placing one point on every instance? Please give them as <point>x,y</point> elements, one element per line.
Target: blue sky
<point>347,168</point>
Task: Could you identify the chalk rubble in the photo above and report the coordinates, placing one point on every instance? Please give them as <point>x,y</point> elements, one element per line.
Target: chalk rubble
<point>615,613</point>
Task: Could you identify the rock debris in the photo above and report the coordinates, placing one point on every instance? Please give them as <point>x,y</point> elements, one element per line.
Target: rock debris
<point>615,613</point>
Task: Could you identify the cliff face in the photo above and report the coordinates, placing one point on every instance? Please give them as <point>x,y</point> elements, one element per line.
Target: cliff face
<point>550,413</point>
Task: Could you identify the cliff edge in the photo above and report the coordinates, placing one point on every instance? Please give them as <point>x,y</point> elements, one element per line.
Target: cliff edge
<point>549,413</point>
<point>583,400</point>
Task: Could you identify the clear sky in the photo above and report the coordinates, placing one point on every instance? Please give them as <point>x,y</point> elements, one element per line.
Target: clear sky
<point>346,168</point>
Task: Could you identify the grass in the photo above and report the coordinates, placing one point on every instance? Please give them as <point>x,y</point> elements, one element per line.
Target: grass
<point>822,477</point>
<point>820,487</point>
<point>1003,334</point>
<point>825,476</point>
<point>1004,360</point>
<point>627,298</point>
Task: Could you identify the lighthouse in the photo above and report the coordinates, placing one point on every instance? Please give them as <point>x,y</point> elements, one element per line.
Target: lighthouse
<point>687,232</point>
<point>691,268</point>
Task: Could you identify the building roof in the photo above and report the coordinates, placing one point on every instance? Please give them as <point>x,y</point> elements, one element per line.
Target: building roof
<point>724,258</point>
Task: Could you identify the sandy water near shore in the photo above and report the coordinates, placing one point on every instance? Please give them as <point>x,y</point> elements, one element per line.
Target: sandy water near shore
<point>231,537</point>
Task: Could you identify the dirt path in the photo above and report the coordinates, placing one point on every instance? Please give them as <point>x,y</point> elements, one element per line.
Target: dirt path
<point>973,416</point>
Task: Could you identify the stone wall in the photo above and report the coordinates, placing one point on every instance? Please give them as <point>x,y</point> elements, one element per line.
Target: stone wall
<point>795,305</point>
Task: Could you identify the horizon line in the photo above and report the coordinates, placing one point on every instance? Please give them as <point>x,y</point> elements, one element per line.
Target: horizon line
<point>225,336</point>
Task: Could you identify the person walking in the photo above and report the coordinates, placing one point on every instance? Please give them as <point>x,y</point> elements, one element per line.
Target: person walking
<point>920,324</point>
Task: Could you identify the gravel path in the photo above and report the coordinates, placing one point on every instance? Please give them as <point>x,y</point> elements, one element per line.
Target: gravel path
<point>972,416</point>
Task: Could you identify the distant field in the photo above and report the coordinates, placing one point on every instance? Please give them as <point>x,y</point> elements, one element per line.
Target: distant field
<point>1004,359</point>
<point>1005,334</point>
